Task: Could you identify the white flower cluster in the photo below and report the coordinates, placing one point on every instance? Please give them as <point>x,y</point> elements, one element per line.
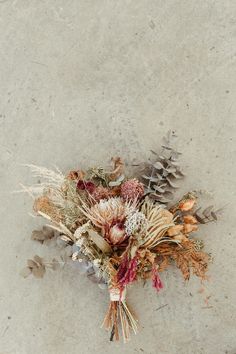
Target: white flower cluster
<point>135,221</point>
<point>81,230</point>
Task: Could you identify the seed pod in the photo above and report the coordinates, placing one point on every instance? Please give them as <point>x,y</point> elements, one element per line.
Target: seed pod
<point>187,204</point>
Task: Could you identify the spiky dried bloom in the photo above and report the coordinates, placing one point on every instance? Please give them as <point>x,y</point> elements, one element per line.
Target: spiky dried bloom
<point>159,220</point>
<point>132,189</point>
<point>110,215</point>
<point>106,211</point>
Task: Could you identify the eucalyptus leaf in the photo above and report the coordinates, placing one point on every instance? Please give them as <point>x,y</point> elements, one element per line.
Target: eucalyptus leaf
<point>158,165</point>
<point>206,212</point>
<point>25,272</point>
<point>39,272</point>
<point>159,189</point>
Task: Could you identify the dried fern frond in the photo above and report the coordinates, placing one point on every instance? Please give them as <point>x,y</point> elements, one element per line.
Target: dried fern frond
<point>160,174</point>
<point>186,257</point>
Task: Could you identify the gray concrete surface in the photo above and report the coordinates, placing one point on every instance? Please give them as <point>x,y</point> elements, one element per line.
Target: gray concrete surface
<point>82,81</point>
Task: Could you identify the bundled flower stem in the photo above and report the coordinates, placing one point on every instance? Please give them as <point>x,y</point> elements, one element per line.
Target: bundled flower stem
<point>118,230</point>
<point>119,313</point>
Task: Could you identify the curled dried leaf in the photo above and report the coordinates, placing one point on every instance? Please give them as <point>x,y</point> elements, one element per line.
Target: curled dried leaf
<point>102,244</point>
<point>38,260</point>
<point>39,272</point>
<point>25,272</point>
<point>180,237</point>
<point>36,266</point>
<point>55,264</point>
<point>118,168</point>
<point>187,204</point>
<point>31,263</point>
<point>46,233</point>
<point>190,219</point>
<point>189,228</point>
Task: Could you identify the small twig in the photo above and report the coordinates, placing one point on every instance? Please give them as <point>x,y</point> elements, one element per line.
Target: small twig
<point>112,333</point>
<point>3,334</point>
<point>161,307</point>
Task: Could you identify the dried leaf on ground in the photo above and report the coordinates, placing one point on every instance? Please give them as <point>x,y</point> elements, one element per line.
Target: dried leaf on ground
<point>46,233</point>
<point>36,266</point>
<point>25,272</point>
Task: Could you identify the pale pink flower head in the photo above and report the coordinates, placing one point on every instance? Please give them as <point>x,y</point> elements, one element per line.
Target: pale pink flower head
<point>132,190</point>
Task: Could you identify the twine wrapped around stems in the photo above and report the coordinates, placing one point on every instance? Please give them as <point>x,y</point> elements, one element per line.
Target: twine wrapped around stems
<point>119,313</point>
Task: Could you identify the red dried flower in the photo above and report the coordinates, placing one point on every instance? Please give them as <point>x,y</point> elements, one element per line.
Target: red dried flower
<point>88,186</point>
<point>132,189</point>
<point>127,271</point>
<point>156,280</point>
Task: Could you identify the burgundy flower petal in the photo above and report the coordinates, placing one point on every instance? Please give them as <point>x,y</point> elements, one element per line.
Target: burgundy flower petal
<point>81,185</point>
<point>156,280</point>
<point>127,271</point>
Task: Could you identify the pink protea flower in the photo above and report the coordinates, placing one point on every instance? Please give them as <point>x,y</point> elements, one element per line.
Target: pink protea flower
<point>117,233</point>
<point>132,189</point>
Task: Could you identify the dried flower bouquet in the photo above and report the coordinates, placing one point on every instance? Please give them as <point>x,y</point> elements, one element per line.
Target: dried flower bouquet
<point>120,229</point>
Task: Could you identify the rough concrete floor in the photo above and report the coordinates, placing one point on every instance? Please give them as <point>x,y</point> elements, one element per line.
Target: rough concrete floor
<point>82,81</point>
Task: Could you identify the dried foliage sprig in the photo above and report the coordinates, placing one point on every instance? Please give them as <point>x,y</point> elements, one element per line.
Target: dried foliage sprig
<point>117,230</point>
<point>162,171</point>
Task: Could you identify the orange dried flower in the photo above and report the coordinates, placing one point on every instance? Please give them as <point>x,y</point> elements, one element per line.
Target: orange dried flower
<point>189,228</point>
<point>187,204</point>
<point>189,219</point>
<point>75,175</point>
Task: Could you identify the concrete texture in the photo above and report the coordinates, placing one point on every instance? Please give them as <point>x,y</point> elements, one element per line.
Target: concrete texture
<point>82,81</point>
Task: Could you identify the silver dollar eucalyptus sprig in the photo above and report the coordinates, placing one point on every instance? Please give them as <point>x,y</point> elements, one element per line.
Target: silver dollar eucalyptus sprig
<point>162,172</point>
